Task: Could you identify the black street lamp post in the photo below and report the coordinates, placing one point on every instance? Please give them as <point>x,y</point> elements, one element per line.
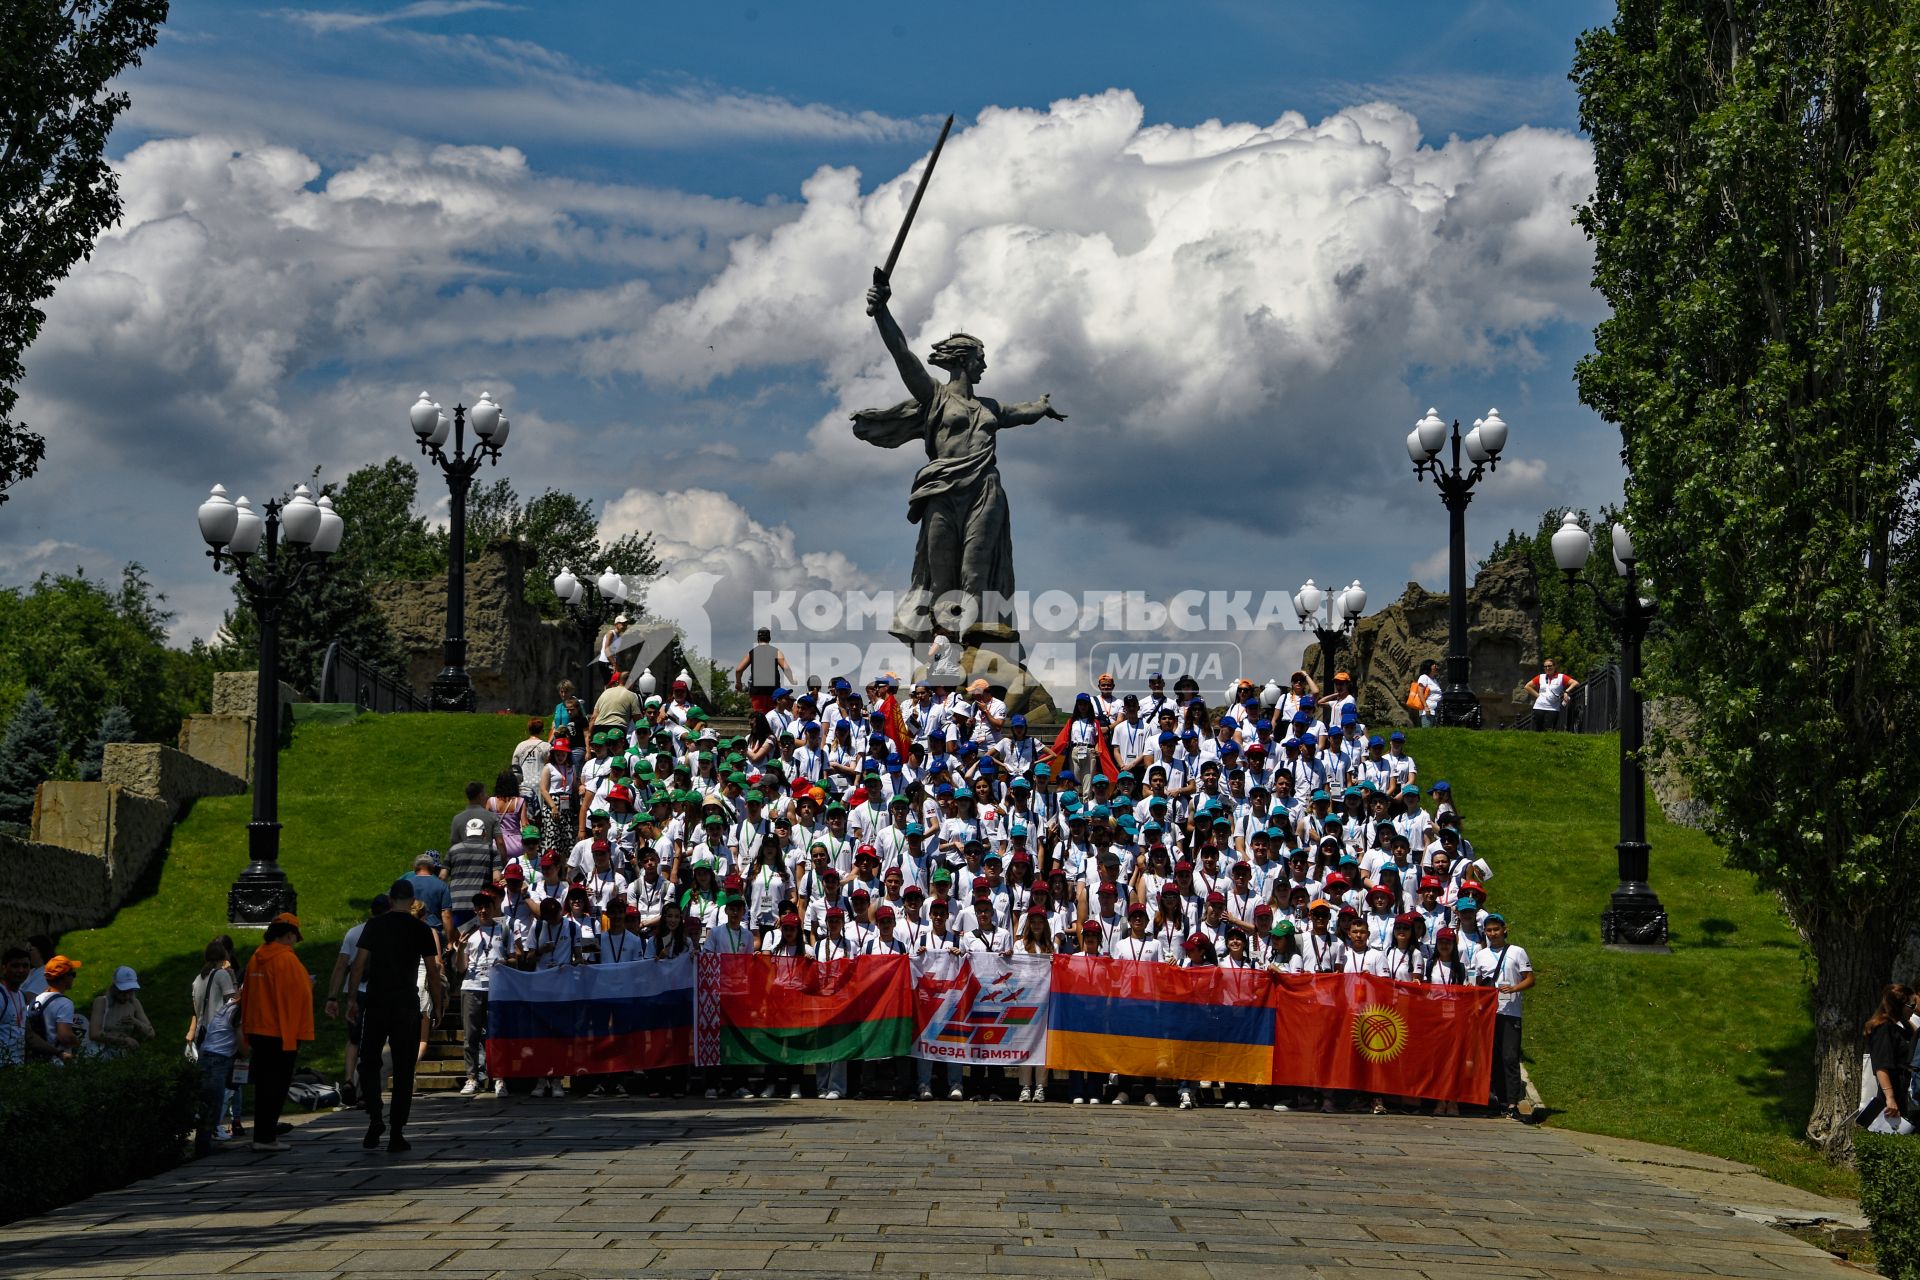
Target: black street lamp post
<point>453,689</point>
<point>236,535</point>
<point>1343,607</point>
<point>589,610</point>
<point>1634,917</point>
<point>1458,705</point>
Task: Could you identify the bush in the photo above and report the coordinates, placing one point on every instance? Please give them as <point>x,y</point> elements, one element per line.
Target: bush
<point>1890,1197</point>
<point>72,1131</point>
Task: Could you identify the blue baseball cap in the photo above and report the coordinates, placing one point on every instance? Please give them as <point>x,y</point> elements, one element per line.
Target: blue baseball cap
<point>782,692</point>
<point>1376,741</point>
<point>1017,722</point>
<point>1442,785</point>
<point>1397,736</point>
<point>915,829</point>
<point>1169,736</point>
<point>1301,717</point>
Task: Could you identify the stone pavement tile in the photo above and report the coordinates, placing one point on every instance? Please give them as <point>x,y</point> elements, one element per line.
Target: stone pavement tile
<point>839,1261</point>
<point>1027,1265</point>
<point>279,1263</point>
<point>512,1259</point>
<point>716,1257</point>
<point>894,1262</point>
<point>198,1263</point>
<point>611,1262</point>
<point>1153,1269</point>
<point>396,1260</point>
<point>1258,1271</point>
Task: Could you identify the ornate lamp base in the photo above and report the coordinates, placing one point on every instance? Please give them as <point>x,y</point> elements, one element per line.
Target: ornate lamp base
<point>263,890</point>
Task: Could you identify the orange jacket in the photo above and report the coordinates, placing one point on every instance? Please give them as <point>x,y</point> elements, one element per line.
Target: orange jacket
<point>277,997</point>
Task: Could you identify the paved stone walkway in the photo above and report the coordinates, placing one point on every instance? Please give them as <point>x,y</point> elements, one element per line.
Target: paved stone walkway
<point>548,1188</point>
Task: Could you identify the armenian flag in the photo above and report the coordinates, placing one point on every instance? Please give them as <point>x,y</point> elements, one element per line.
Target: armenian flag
<point>590,1019</point>
<point>786,1010</point>
<point>1148,1019</point>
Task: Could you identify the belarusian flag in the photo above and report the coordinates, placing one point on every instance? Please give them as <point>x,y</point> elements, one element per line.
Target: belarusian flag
<point>789,1011</point>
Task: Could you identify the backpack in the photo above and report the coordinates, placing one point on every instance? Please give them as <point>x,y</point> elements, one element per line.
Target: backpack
<point>37,1022</point>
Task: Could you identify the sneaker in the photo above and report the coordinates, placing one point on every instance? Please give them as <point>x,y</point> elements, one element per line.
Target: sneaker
<point>1281,1106</point>
<point>770,1091</point>
<point>743,1093</point>
<point>831,1095</point>
<point>794,1095</point>
<point>926,1093</point>
<point>470,1088</point>
<point>1079,1102</point>
<point>499,1088</point>
<point>1326,1108</point>
<point>713,1093</point>
<point>223,1135</point>
<point>956,1095</point>
<point>1039,1095</point>
<point>1186,1099</point>
<point>399,1145</point>
<point>1120,1098</point>
<point>1026,1095</point>
<point>269,1146</point>
<point>1151,1101</point>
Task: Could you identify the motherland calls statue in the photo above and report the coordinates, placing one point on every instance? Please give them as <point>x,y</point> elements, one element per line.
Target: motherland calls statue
<point>963,564</point>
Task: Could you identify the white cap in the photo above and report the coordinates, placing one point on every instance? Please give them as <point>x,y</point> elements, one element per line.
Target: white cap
<point>125,979</point>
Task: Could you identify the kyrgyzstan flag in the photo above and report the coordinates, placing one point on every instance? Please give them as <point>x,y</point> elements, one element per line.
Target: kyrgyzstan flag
<point>791,1011</point>
<point>1374,1035</point>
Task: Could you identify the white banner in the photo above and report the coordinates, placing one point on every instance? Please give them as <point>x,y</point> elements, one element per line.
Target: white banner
<point>980,1009</point>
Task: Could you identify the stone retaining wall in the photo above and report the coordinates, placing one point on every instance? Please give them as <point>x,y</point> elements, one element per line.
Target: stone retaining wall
<point>93,841</point>
<point>44,889</point>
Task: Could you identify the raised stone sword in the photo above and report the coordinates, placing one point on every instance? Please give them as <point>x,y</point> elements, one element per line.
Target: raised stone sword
<point>884,275</point>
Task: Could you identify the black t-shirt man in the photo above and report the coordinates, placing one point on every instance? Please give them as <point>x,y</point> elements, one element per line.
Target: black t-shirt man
<point>395,944</point>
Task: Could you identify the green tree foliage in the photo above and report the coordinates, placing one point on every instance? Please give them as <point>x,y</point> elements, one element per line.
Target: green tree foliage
<point>86,646</point>
<point>1754,232</point>
<point>116,725</point>
<point>57,192</point>
<point>1574,632</point>
<point>334,602</point>
<point>29,753</point>
<point>563,531</point>
<point>388,539</point>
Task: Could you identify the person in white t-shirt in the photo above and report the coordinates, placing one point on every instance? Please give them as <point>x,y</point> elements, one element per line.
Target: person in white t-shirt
<point>487,943</point>
<point>1429,713</point>
<point>1506,968</point>
<point>1550,689</point>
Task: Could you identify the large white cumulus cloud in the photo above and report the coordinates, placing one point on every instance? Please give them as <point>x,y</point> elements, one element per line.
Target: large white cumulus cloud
<point>1226,294</point>
<point>239,268</point>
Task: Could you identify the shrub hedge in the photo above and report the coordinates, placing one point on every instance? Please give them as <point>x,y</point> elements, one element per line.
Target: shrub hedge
<point>1890,1197</point>
<point>69,1132</point>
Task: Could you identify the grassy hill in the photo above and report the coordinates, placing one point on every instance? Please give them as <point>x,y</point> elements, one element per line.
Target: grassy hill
<point>360,797</point>
<point>1708,1049</point>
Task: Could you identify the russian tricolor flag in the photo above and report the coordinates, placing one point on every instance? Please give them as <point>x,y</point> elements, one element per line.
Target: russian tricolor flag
<point>590,1019</point>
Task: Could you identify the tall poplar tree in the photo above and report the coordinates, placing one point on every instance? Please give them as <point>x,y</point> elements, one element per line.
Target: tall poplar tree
<point>1754,230</point>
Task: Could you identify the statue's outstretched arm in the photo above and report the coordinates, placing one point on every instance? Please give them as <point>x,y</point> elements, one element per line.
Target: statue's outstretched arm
<point>914,374</point>
<point>1019,415</point>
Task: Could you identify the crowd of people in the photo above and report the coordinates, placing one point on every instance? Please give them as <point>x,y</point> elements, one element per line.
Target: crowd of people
<point>1268,832</point>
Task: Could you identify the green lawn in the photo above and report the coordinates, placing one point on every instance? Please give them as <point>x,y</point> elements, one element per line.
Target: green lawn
<point>1707,1049</point>
<point>1710,1048</point>
<point>359,800</point>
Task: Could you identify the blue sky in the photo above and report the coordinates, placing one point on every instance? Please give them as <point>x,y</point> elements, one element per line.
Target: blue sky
<point>616,216</point>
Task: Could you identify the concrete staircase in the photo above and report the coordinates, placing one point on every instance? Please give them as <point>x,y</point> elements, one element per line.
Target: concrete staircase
<point>444,1069</point>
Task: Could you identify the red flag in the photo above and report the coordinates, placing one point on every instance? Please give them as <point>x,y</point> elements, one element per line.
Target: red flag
<point>896,727</point>
<point>1352,1031</point>
<point>1102,749</point>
